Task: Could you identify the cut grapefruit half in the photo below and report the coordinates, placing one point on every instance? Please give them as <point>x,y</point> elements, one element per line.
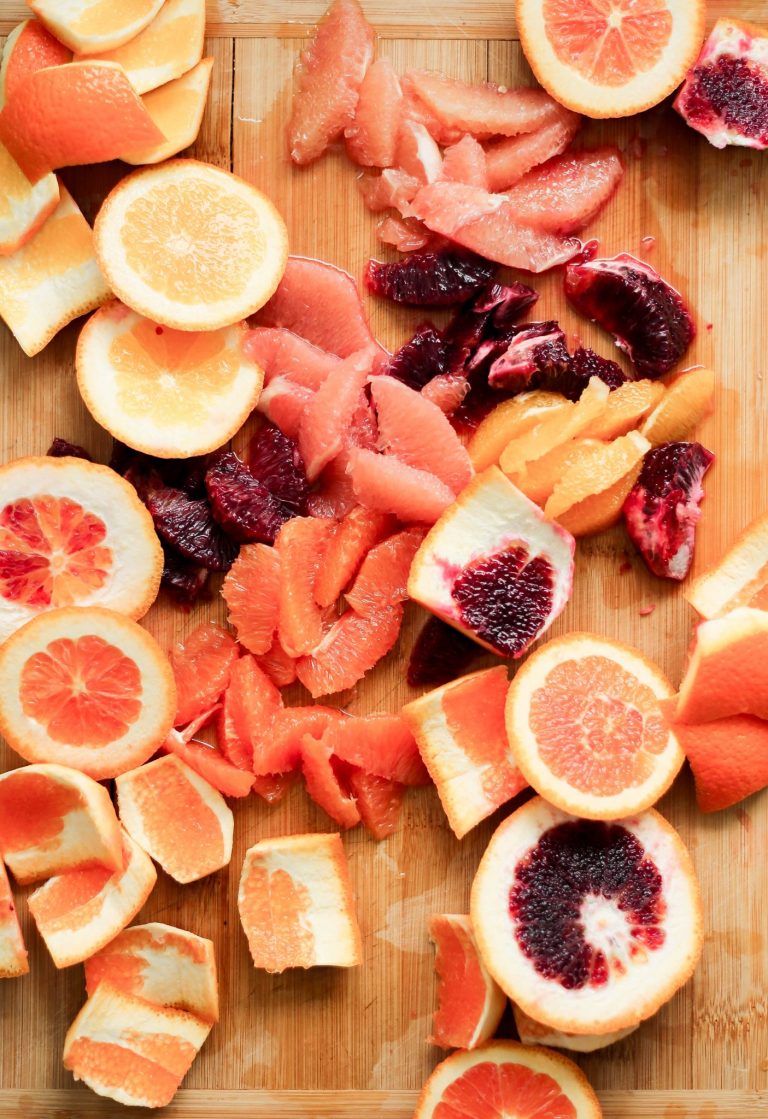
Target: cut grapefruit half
<point>177,109</point>
<point>53,820</point>
<point>296,904</point>
<point>177,817</point>
<point>159,963</point>
<point>610,59</point>
<point>503,1078</point>
<point>686,402</point>
<point>79,912</point>
<point>29,47</point>
<point>725,673</point>
<point>24,207</point>
<point>13,954</point>
<point>470,1002</point>
<point>251,591</point>
<point>190,246</point>
<point>87,688</point>
<point>739,578</point>
<point>531,1032</point>
<point>201,665</point>
<point>584,724</point>
<point>626,932</point>
<point>72,533</point>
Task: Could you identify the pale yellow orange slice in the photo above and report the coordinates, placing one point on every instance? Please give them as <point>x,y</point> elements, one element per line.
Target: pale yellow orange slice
<point>88,26</point>
<point>554,428</point>
<point>686,402</point>
<point>590,494</point>
<point>625,408</point>
<point>508,420</point>
<point>177,109</point>
<point>13,954</point>
<point>23,207</point>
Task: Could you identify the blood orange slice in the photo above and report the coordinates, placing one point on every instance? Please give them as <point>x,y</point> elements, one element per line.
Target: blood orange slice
<point>626,932</point>
<point>531,1032</point>
<point>29,47</point>
<point>251,591</point>
<point>86,688</point>
<point>470,1001</point>
<point>13,954</point>
<point>201,668</point>
<point>739,578</point>
<point>89,26</point>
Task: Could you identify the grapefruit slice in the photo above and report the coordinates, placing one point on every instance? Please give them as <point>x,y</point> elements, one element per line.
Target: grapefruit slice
<point>168,393</point>
<point>328,415</point>
<point>462,739</point>
<point>190,246</point>
<point>29,47</point>
<point>508,160</point>
<point>251,591</point>
<point>381,745</point>
<point>281,353</point>
<point>277,664</point>
<point>24,207</point>
<point>296,904</point>
<point>417,155</point>
<point>87,688</point>
<point>389,485</point>
<point>210,764</point>
<point>162,965</point>
<point>371,138</point>
<point>610,60</point>
<point>201,667</point>
<point>283,403</point>
<point>52,279</point>
<point>531,1032</point>
<point>465,163</point>
<point>725,671</point>
<point>383,575</point>
<point>177,817</point>
<point>177,109</point>
<point>13,954</point>
<point>392,189</point>
<point>469,1001</point>
<point>590,494</point>
<point>509,420</point>
<point>740,578</point>
<point>379,802</point>
<point>290,726</point>
<point>482,110</point>
<point>251,704</point>
<point>350,648</point>
<point>77,913</point>
<point>72,533</point>
<point>53,820</point>
<point>131,1050</point>
<point>89,26</point>
<point>350,544</point>
<point>682,407</point>
<point>505,1078</point>
<point>301,545</point>
<point>567,192</point>
<point>627,930</point>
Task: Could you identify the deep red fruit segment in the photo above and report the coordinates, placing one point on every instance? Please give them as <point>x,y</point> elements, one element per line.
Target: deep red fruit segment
<point>647,316</point>
<point>440,654</point>
<point>573,378</point>
<point>62,448</point>
<point>662,509</point>
<point>570,863</point>
<point>730,92</point>
<point>534,352</point>
<point>274,459</point>
<point>429,279</point>
<point>421,358</point>
<point>184,580</point>
<point>188,526</point>
<point>489,316</point>
<point>240,503</point>
<point>379,801</point>
<point>567,192</point>
<point>372,136</point>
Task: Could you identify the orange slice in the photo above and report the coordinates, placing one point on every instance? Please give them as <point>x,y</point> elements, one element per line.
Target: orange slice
<point>29,47</point>
<point>210,764</point>
<point>590,495</point>
<point>624,409</point>
<point>585,727</point>
<point>54,819</point>
<point>470,1001</point>
<point>686,402</point>
<point>79,912</point>
<point>555,428</point>
<point>169,393</point>
<point>177,817</point>
<point>462,738</point>
<point>202,666</point>
<point>167,48</point>
<point>726,671</point>
<point>296,905</point>
<point>85,687</point>
<point>532,1032</point>
<point>23,207</point>
<point>52,279</point>
<point>505,1078</point>
<point>177,109</point>
<point>507,421</point>
<point>251,591</point>
<point>161,964</point>
<point>13,954</point>
<point>131,1051</point>
<point>740,578</point>
<point>88,26</point>
<point>539,482</point>
<point>190,246</point>
<point>72,533</point>
<point>610,59</point>
<point>352,646</point>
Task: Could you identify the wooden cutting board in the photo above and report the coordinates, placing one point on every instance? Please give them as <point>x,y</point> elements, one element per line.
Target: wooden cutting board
<point>352,1045</point>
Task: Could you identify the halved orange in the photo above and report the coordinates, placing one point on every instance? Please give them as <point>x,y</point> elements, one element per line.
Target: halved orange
<point>532,1032</point>
<point>72,533</point>
<point>23,207</point>
<point>85,687</point>
<point>591,492</point>
<point>13,954</point>
<point>470,1002</point>
<point>585,727</point>
<point>726,672</point>
<point>686,402</point>
<point>296,904</point>
<point>739,578</point>
<point>189,245</point>
<point>88,26</point>
<point>169,393</point>
<point>177,109</point>
<point>29,47</point>
<point>612,58</point>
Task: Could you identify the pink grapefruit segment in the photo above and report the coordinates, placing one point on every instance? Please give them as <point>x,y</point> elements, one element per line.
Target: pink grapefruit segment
<point>372,136</point>
<point>483,110</point>
<point>386,484</point>
<point>350,648</point>
<point>281,353</point>
<point>508,160</point>
<point>328,415</point>
<point>567,192</point>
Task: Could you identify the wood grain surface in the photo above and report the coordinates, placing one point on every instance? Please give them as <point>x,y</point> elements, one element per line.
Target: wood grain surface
<point>698,215</point>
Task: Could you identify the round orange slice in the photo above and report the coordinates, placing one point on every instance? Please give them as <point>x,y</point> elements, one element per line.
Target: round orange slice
<point>505,1078</point>
<point>177,109</point>
<point>89,26</point>
<point>72,533</point>
<point>610,58</point>
<point>190,246</point>
<point>169,393</point>
<point>586,730</point>
<point>87,688</point>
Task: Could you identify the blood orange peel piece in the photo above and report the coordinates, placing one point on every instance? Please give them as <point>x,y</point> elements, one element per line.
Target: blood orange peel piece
<point>724,672</point>
<point>739,578</point>
<point>201,667</point>
<point>13,954</point>
<point>470,1002</point>
<point>532,1032</point>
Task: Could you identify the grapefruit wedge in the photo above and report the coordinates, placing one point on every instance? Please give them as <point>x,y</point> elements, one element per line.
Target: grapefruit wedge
<point>13,954</point>
<point>387,484</point>
<point>508,160</point>
<point>24,207</point>
<point>349,649</point>
<point>371,138</point>
<point>482,109</point>
<point>281,353</point>
<point>29,47</point>
<point>251,591</point>
<point>381,580</point>
<point>470,1002</point>
<point>725,672</point>
<point>567,192</point>
<point>327,417</point>
<point>177,109</point>
<point>89,26</point>
<point>202,666</point>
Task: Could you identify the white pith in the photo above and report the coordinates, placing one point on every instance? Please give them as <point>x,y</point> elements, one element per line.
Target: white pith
<point>531,1032</point>
<point>27,204</point>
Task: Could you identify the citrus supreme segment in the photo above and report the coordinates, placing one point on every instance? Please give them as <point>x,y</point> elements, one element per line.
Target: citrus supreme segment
<point>190,246</point>
<point>88,26</point>
<point>169,393</point>
<point>177,109</point>
<point>23,206</point>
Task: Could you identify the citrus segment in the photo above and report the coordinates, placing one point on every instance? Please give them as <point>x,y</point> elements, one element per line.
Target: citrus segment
<point>739,578</point>
<point>417,155</point>
<point>383,575</point>
<point>277,664</point>
<point>350,648</point>
<point>324,784</point>
<point>624,409</point>
<point>29,47</point>
<point>190,246</point>
<point>161,964</point>
<point>351,541</point>
<point>201,667</point>
<point>469,1002</point>
<point>301,544</point>
<point>13,954</point>
<point>328,415</point>
<point>386,484</point>
<point>507,421</point>
<point>379,802</point>
<point>482,109</point>
<point>556,428</point>
<point>251,591</point>
<point>51,280</point>
<point>725,672</point>
<point>508,160</point>
<point>210,764</point>
<point>251,703</point>
<point>24,207</point>
<point>95,25</point>
<point>686,402</point>
<point>381,745</point>
<point>281,353</point>
<point>600,510</point>
<point>53,820</point>
<point>545,472</point>
<point>290,726</point>
<point>584,483</point>
<point>77,913</point>
<point>531,1032</point>
<point>72,533</point>
<point>177,817</point>
<point>372,136</point>
<point>464,162</point>
<point>567,192</point>
<point>296,905</point>
<point>177,109</point>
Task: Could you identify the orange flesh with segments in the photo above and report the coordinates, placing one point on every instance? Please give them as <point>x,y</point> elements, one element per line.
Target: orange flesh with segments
<point>462,985</point>
<point>608,41</point>
<point>273,909</point>
<point>71,900</point>
<point>99,18</point>
<point>498,1091</point>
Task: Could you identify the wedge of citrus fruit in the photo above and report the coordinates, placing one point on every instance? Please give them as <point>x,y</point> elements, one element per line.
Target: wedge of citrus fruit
<point>686,402</point>
<point>301,543</point>
<point>509,420</point>
<point>52,279</point>
<point>251,591</point>
<point>470,1002</point>
<point>371,138</point>
<point>290,726</point>
<point>13,954</point>
<point>739,578</point>
<point>505,1078</point>
<point>388,485</point>
<point>545,472</point>
<point>555,428</point>
<point>246,720</point>
<point>327,417</point>
<point>29,47</point>
<point>210,764</point>
<point>724,675</point>
<point>567,192</point>
<point>54,819</point>
<point>89,26</point>
<point>77,913</point>
<point>590,494</point>
<point>177,817</point>
<point>532,1032</point>
<point>189,245</point>
<point>324,782</point>
<point>72,533</point>
<point>24,207</point>
<point>383,575</point>
<point>351,542</point>
<point>626,932</point>
<point>87,688</point>
<point>482,109</point>
<point>464,162</point>
<point>177,109</point>
<point>508,160</point>
<point>161,964</point>
<point>201,667</point>
<point>379,802</point>
<point>625,408</point>
<point>585,727</point>
<point>281,353</point>
<point>350,648</point>
<point>610,60</point>
<point>130,1050</point>
<point>277,664</point>
<point>296,904</point>
<point>462,739</point>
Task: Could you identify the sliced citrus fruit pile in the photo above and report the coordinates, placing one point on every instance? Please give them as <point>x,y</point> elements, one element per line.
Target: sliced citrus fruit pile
<point>13,954</point>
<point>296,904</point>
<point>627,930</point>
<point>29,47</point>
<point>88,26</point>
<point>532,1032</point>
<point>177,110</point>
<point>470,1002</point>
<point>739,578</point>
